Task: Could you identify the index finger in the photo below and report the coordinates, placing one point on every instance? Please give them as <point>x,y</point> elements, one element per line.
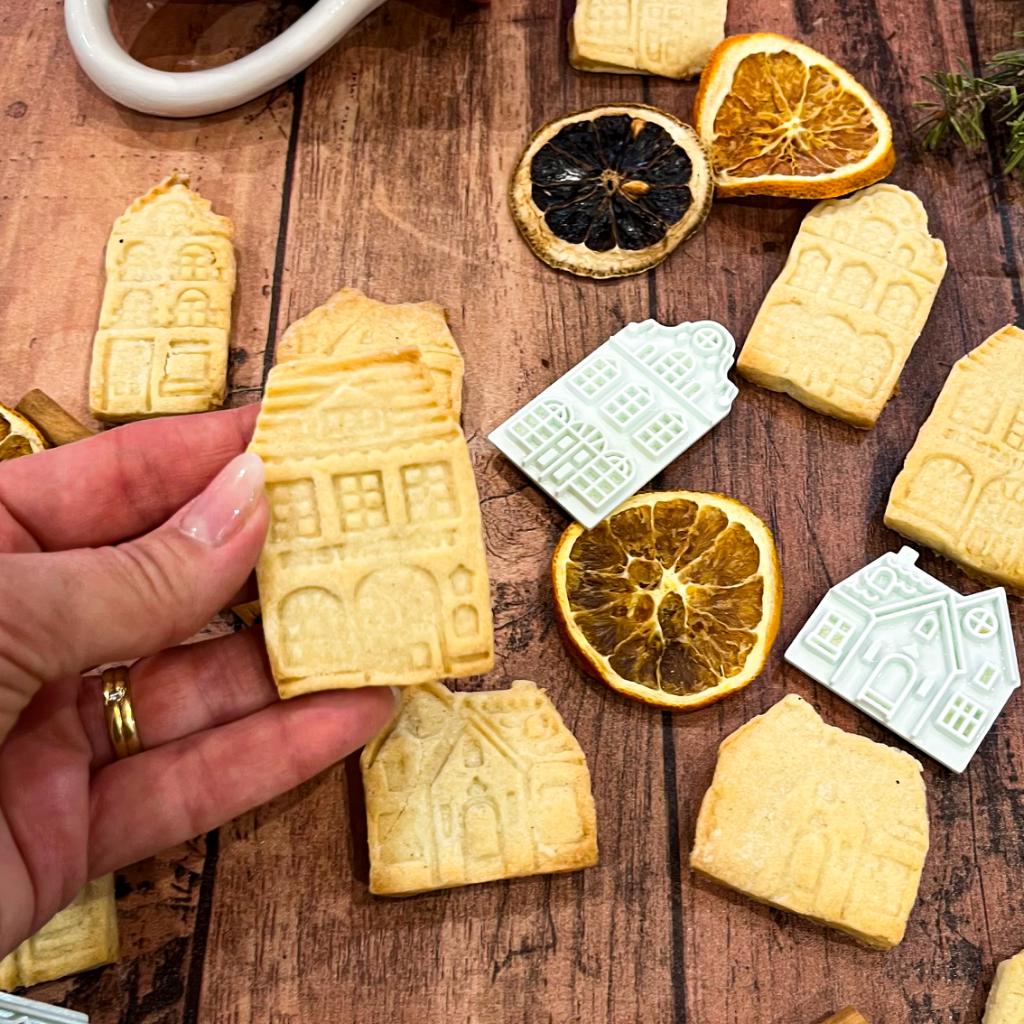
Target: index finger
<point>123,482</point>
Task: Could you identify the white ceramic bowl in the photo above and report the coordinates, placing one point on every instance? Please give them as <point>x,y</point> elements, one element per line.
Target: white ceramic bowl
<point>193,93</point>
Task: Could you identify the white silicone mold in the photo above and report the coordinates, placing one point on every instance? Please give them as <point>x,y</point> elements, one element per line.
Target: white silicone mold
<point>619,417</point>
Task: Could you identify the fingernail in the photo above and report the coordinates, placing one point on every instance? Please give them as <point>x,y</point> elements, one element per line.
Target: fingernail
<point>228,501</point>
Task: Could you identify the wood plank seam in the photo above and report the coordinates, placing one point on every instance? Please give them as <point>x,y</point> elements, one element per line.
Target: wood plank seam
<point>1010,267</point>
<point>297,86</point>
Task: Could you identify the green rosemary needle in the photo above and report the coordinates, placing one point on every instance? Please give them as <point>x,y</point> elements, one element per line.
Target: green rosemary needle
<point>968,107</point>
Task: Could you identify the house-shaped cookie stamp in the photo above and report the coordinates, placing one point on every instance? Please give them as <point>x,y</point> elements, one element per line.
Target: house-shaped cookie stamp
<point>930,664</point>
<point>619,417</point>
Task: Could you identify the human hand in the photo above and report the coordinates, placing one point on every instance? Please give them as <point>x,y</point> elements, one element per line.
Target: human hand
<point>108,552</point>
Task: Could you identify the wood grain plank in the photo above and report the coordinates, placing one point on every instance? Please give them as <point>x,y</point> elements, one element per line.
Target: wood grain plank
<point>824,487</point>
<point>410,133</point>
<point>72,161</point>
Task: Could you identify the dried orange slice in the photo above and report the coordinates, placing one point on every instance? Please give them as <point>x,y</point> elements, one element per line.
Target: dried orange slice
<point>674,599</point>
<point>781,119</point>
<point>611,191</point>
<point>17,435</point>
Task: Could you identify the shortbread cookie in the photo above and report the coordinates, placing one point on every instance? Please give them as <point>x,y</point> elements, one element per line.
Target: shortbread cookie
<point>846,1016</point>
<point>471,787</point>
<point>673,38</point>
<point>839,322</point>
<point>82,936</point>
<point>373,572</point>
<point>350,323</point>
<point>961,489</point>
<point>812,819</point>
<point>1006,998</point>
<point>162,343</point>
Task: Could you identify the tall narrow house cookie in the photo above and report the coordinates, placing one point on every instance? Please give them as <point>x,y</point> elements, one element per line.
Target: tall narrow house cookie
<point>838,324</point>
<point>961,490</point>
<point>162,343</point>
<point>811,819</point>
<point>1006,998</point>
<point>673,38</point>
<point>350,323</point>
<point>81,936</point>
<point>472,787</point>
<point>373,572</point>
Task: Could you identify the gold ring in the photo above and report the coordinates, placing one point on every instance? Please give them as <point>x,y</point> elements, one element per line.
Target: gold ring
<point>117,706</point>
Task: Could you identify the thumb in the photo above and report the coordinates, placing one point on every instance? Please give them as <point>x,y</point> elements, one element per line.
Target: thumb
<point>66,611</point>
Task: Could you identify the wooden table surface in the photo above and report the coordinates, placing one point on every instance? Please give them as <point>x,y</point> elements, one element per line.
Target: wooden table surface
<point>385,167</point>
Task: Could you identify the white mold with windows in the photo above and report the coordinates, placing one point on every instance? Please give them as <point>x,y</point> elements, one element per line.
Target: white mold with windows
<point>619,417</point>
<point>933,666</point>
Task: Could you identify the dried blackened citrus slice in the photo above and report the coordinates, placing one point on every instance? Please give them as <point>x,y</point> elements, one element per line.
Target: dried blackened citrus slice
<point>611,191</point>
<point>674,599</point>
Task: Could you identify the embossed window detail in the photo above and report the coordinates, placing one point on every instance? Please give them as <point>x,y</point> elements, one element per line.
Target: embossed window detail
<point>854,284</point>
<point>594,377</point>
<point>186,368</point>
<point>810,270</point>
<point>462,581</point>
<point>429,492</point>
<point>467,621</point>
<point>293,511</point>
<point>140,263</point>
<point>657,434</point>
<point>625,406</point>
<point>961,718</point>
<point>987,676</point>
<point>674,368</point>
<point>599,478</point>
<point>537,427</point>
<point>899,304</point>
<point>1015,435</point>
<point>831,636</point>
<point>196,263</point>
<point>981,623</point>
<point>927,626</point>
<point>360,498</point>
<point>192,308</point>
<point>136,309</point>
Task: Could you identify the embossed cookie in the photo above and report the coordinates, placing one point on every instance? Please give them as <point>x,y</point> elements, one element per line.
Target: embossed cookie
<point>673,38</point>
<point>838,324</point>
<point>808,818</point>
<point>1006,998</point>
<point>961,489</point>
<point>82,936</point>
<point>846,1016</point>
<point>162,343</point>
<point>350,323</point>
<point>373,572</point>
<point>472,787</point>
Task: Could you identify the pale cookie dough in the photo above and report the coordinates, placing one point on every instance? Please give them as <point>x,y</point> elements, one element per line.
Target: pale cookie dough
<point>162,343</point>
<point>961,489</point>
<point>838,324</point>
<point>80,937</point>
<point>812,819</point>
<point>673,38</point>
<point>350,323</point>
<point>373,572</point>
<point>1006,998</point>
<point>472,787</point>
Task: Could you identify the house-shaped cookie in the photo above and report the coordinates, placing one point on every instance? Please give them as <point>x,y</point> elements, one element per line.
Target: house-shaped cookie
<point>472,787</point>
<point>373,571</point>
<point>162,343</point>
<point>933,666</point>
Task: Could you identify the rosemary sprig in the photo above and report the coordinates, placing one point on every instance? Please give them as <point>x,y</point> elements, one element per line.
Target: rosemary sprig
<point>968,105</point>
